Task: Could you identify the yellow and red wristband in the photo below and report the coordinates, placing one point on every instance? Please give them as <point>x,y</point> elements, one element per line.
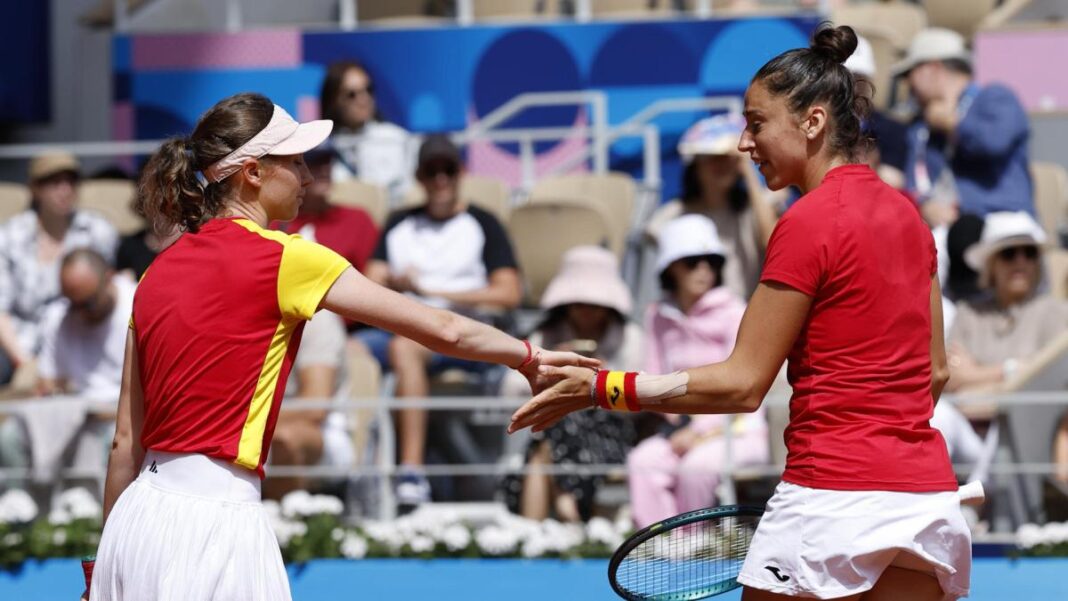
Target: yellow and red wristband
<point>617,391</point>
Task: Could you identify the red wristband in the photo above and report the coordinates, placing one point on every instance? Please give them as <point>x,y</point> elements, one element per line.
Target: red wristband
<point>602,392</point>
<point>87,570</point>
<point>630,391</point>
<point>530,356</point>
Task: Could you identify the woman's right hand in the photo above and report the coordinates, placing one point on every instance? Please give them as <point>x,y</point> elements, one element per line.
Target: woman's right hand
<point>536,375</point>
<point>564,390</point>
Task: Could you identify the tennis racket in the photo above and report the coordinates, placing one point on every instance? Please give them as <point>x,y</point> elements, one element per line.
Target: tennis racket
<point>693,555</point>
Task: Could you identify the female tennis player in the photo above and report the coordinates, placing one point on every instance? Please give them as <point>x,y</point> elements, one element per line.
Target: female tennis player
<point>216,323</point>
<point>868,507</point>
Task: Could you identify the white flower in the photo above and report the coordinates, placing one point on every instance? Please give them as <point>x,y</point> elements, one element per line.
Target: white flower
<point>296,504</point>
<point>59,517</point>
<point>421,543</point>
<point>385,533</point>
<point>80,504</point>
<point>1054,533</point>
<point>456,537</point>
<point>354,546</point>
<point>337,534</point>
<point>16,506</point>
<point>59,537</point>
<point>494,540</point>
<point>326,504</point>
<point>11,539</point>
<point>272,508</point>
<point>534,546</point>
<point>285,530</point>
<point>600,530</point>
<point>1028,535</point>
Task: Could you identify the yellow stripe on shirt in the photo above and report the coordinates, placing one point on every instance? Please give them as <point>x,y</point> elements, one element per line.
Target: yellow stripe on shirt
<point>250,447</point>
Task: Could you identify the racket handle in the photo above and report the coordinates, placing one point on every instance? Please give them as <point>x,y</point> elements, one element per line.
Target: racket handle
<point>87,569</point>
<point>971,493</point>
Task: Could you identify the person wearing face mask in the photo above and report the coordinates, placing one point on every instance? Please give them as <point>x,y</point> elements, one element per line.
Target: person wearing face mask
<point>695,323</point>
<point>31,245</point>
<point>367,147</point>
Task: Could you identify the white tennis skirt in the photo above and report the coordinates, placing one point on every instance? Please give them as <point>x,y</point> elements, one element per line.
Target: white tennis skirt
<point>825,544</point>
<point>189,528</point>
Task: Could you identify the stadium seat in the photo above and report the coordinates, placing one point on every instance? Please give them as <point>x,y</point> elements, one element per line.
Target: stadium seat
<point>487,193</point>
<point>962,17</point>
<point>520,10</point>
<point>615,194</point>
<point>14,198</point>
<point>542,232</point>
<point>381,10</point>
<point>355,193</point>
<point>899,19</point>
<point>113,199</point>
<point>1056,260</point>
<point>1051,196</point>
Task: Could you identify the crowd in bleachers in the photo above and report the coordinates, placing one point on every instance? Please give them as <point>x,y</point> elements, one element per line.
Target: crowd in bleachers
<point>404,211</point>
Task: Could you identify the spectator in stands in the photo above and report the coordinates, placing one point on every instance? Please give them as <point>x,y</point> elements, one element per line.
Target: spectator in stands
<point>447,253</point>
<point>887,154</point>
<point>585,305</point>
<point>137,250</point>
<point>84,337</point>
<point>695,324</point>
<point>83,347</point>
<point>313,436</point>
<point>368,148</point>
<point>968,144</point>
<point>724,186</point>
<point>31,245</point>
<point>992,337</point>
<point>348,231</point>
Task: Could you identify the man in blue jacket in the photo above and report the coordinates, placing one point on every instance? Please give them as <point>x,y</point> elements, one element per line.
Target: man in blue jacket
<point>979,132</point>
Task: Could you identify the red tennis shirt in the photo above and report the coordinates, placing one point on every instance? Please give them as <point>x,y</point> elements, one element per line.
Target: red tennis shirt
<point>861,367</point>
<point>218,318</point>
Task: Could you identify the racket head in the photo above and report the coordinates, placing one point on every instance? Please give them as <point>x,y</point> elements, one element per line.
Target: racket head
<point>694,555</point>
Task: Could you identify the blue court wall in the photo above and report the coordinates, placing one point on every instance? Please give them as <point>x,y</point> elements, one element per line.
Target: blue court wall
<point>993,579</point>
<point>447,78</point>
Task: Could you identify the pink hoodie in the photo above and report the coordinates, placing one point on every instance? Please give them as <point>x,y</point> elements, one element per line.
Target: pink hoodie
<point>675,340</point>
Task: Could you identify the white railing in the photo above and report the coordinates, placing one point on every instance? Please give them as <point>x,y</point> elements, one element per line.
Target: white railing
<point>349,12</point>
<point>1005,471</point>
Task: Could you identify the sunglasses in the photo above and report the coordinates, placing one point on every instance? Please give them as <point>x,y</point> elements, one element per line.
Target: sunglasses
<point>353,93</point>
<point>432,171</point>
<point>1010,253</point>
<point>692,262</point>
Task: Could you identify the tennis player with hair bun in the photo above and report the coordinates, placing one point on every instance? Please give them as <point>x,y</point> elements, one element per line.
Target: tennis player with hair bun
<point>868,507</point>
<point>216,323</point>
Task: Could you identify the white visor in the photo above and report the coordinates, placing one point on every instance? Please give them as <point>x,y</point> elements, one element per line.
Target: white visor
<point>282,136</point>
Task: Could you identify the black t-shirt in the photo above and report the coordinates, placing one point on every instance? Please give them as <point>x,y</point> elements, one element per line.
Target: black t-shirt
<point>134,254</point>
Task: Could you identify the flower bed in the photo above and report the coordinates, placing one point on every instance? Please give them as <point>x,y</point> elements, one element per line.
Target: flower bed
<point>1050,540</point>
<point>311,527</point>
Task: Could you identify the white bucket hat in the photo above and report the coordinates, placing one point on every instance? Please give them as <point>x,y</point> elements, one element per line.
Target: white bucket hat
<point>862,61</point>
<point>687,236</point>
<point>282,136</point>
<point>714,135</point>
<point>1003,230</point>
<point>588,275</point>
<point>933,44</point>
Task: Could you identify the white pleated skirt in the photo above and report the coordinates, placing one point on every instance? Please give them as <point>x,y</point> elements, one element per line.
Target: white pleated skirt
<point>189,528</point>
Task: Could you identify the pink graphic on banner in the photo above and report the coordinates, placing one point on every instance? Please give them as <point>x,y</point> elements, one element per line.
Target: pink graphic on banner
<point>122,128</point>
<point>997,59</point>
<point>275,48</point>
<point>484,157</point>
<point>307,108</point>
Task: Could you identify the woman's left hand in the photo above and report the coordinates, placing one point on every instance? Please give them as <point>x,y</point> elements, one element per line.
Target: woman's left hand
<point>564,390</point>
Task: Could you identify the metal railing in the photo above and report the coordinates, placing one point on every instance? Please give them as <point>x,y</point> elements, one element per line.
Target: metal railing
<point>1005,471</point>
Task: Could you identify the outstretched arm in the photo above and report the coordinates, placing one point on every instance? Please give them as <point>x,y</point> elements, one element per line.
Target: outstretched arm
<point>358,298</point>
<point>769,328</point>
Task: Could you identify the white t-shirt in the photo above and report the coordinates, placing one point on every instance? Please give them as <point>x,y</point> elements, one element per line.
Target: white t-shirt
<point>88,356</point>
<point>382,154</point>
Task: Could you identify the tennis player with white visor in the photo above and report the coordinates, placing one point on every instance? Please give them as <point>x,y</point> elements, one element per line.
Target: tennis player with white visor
<point>868,507</point>
<point>216,323</point>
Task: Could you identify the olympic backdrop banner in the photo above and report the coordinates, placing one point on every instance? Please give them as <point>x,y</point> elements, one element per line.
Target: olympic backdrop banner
<point>447,78</point>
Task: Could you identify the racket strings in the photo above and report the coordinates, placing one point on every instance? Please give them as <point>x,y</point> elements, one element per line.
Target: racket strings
<point>691,561</point>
